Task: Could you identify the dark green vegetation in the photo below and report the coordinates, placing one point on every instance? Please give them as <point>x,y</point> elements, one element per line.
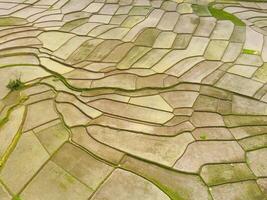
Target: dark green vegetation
<point>15,84</point>
<point>222,15</point>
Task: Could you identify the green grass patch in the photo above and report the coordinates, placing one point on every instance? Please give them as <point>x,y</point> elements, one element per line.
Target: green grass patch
<point>222,15</point>
<point>249,51</point>
<point>16,84</point>
<point>16,198</point>
<point>12,21</point>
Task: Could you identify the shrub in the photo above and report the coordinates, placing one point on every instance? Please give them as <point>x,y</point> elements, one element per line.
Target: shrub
<point>15,84</point>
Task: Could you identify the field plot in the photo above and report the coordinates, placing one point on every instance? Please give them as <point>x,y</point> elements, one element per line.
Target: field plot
<point>133,100</point>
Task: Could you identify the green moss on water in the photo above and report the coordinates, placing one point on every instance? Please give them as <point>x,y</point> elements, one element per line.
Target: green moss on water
<point>252,143</point>
<point>203,137</point>
<point>254,0</point>
<point>201,10</point>
<point>11,21</point>
<point>69,179</point>
<point>249,51</point>
<point>140,10</point>
<point>3,121</point>
<point>73,24</point>
<point>222,15</point>
<point>131,21</point>
<point>17,198</point>
<point>217,174</point>
<point>10,102</point>
<point>169,191</point>
<point>261,73</point>
<point>147,37</point>
<point>253,192</point>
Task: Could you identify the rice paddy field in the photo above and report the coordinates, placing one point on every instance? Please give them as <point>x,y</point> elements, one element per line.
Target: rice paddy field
<point>133,100</point>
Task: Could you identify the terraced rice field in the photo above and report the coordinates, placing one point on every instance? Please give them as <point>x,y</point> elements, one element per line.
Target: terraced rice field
<point>133,100</point>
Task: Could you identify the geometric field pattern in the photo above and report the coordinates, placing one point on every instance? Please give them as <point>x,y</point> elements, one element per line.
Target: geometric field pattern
<point>133,100</point>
